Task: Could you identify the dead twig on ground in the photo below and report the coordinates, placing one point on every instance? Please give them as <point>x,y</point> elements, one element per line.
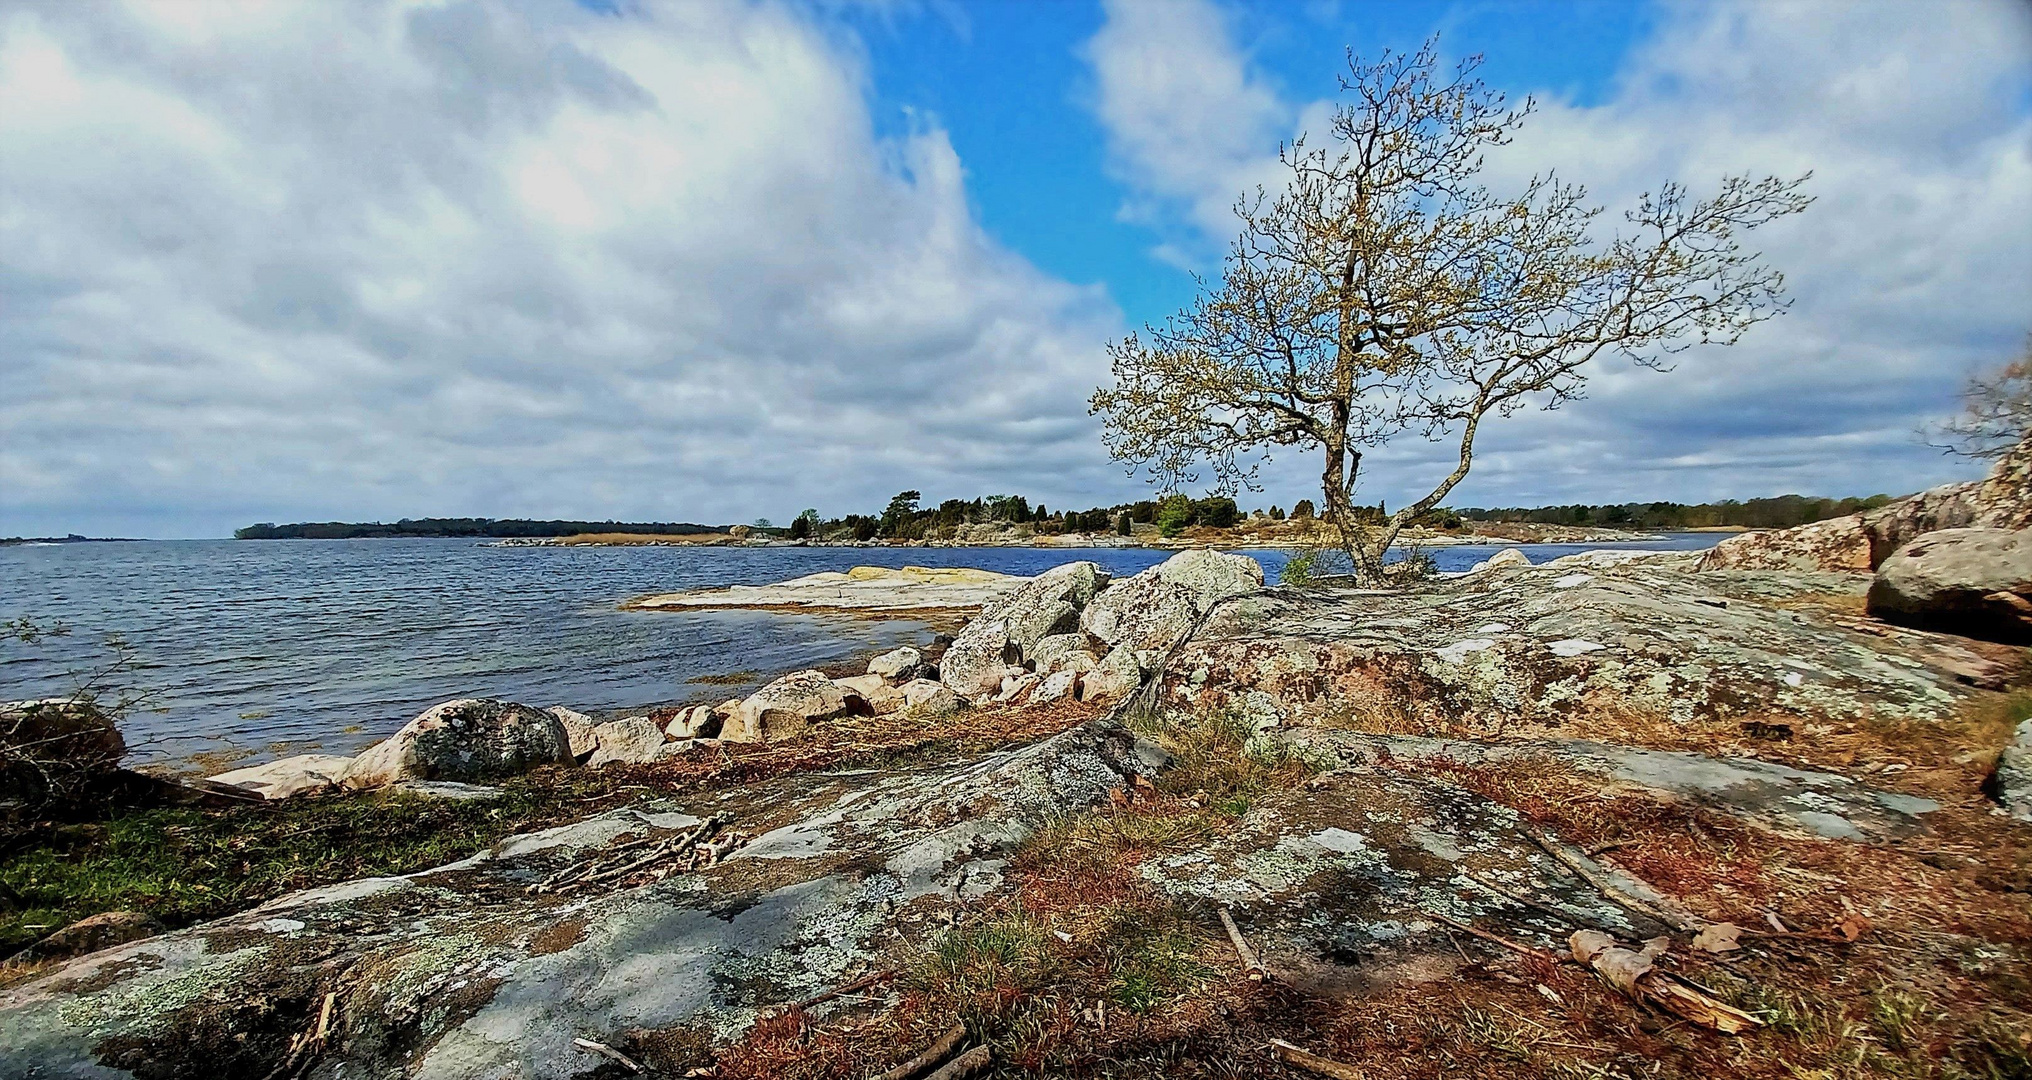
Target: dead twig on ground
<point>608,1052</point>
<point>1589,873</point>
<point>1525,901</point>
<point>1313,1063</point>
<point>1242,949</point>
<point>932,1055</point>
<point>963,1066</point>
<point>844,989</point>
<point>1493,939</point>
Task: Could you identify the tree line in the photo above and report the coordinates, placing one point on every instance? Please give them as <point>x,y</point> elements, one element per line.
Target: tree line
<point>1779,512</point>
<point>461,527</point>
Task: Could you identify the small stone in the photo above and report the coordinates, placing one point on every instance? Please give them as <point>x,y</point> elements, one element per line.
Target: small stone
<point>895,663</point>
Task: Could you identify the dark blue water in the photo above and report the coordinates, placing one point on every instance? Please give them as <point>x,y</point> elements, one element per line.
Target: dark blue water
<point>290,645</point>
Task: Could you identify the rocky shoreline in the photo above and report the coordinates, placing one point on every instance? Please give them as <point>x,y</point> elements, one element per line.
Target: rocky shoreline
<point>1185,823</point>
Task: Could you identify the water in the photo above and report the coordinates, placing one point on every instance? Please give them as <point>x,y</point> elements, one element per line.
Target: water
<point>285,646</point>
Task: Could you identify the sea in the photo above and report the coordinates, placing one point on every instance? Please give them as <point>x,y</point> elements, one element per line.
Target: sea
<point>245,650</point>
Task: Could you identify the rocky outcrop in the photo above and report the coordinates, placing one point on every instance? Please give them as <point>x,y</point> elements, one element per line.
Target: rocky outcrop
<point>303,774</point>
<point>464,973</point>
<point>1009,629</point>
<point>636,740</point>
<point>469,739</point>
<point>1144,613</point>
<point>786,708</point>
<point>1838,544</point>
<point>1859,543</point>
<point>864,588</point>
<point>1546,643</point>
<point>1976,582</point>
<point>1209,576</point>
<point>88,935</point>
<point>1508,557</point>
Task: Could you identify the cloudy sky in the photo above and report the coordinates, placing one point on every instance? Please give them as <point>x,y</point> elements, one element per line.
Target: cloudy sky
<point>709,262</point>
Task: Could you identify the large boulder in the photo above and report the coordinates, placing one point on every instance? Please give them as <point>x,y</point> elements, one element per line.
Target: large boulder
<point>897,665</point>
<point>1838,544</point>
<point>578,730</point>
<point>468,739</point>
<point>300,775</point>
<point>53,753</point>
<point>973,663</point>
<point>634,741</point>
<point>1144,613</point>
<point>1009,630</point>
<point>1118,674</point>
<point>1974,582</point>
<point>786,708</point>
<point>922,697</point>
<point>1210,576</point>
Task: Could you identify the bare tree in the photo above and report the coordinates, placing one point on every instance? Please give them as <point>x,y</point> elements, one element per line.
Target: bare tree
<point>1384,290</point>
<point>1996,411</point>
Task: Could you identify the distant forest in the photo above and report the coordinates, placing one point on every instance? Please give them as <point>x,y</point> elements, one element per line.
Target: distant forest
<point>1779,512</point>
<point>904,518</point>
<point>469,527</point>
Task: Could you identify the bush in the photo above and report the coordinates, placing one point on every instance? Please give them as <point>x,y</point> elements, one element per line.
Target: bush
<point>1302,509</point>
<point>1173,516</point>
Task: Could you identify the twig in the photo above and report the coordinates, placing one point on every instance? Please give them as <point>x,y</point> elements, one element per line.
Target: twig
<point>1603,885</point>
<point>606,1051</point>
<point>932,1055</point>
<point>1313,1063</point>
<point>1242,949</point>
<point>1526,901</point>
<point>1494,939</point>
<point>965,1065</point>
<point>867,980</point>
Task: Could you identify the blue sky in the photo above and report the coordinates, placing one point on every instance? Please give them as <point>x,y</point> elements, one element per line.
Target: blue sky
<point>720,259</point>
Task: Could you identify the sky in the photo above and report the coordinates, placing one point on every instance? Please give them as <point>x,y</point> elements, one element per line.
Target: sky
<point>719,261</point>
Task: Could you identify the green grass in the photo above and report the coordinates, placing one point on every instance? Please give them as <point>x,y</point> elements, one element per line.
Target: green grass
<point>183,865</point>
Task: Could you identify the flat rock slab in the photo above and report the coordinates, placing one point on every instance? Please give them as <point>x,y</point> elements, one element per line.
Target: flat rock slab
<point>464,972</point>
<point>1802,801</point>
<point>1544,643</point>
<point>864,588</point>
<point>1336,884</point>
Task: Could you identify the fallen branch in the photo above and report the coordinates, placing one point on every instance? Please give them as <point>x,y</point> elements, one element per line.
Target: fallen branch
<point>1525,901</point>
<point>1493,939</point>
<point>1593,876</point>
<point>863,982</point>
<point>606,1051</point>
<point>932,1055</point>
<point>965,1065</point>
<point>1242,949</point>
<point>1633,974</point>
<point>1313,1063</point>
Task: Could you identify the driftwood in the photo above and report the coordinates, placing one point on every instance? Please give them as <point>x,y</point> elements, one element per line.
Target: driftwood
<point>1242,949</point>
<point>1633,974</point>
<point>1313,1063</point>
<point>1616,893</point>
<point>932,1055</point>
<point>692,850</point>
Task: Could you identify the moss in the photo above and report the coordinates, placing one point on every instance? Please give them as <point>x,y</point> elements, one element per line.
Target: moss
<point>186,864</point>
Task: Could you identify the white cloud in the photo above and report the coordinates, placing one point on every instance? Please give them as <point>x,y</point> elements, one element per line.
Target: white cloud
<point>1913,268</point>
<point>359,260</point>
